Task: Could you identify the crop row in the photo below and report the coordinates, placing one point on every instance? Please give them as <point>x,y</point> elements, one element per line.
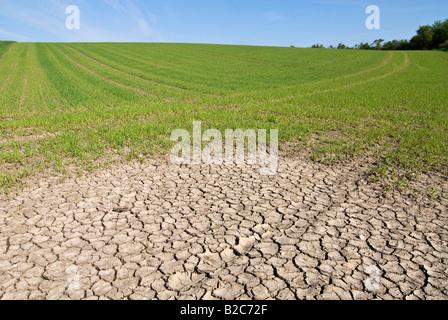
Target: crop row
<point>79,103</point>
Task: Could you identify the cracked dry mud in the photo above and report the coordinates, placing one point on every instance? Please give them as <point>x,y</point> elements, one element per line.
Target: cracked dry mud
<point>148,231</point>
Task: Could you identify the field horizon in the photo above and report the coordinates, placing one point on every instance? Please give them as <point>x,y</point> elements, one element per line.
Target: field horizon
<point>91,208</point>
<point>232,159</point>
<point>65,104</point>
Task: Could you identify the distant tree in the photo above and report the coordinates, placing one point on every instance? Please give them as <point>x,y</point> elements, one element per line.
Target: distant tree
<point>440,34</point>
<point>364,46</point>
<point>317,46</point>
<point>396,45</point>
<point>377,44</point>
<point>403,44</point>
<point>390,45</point>
<point>427,38</point>
<point>444,46</point>
<point>292,46</point>
<point>423,39</point>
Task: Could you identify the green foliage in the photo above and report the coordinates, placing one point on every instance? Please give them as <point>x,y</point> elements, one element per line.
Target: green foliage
<point>427,38</point>
<point>423,39</point>
<point>377,44</point>
<point>363,46</point>
<point>444,46</point>
<point>430,37</point>
<point>440,34</point>
<point>397,45</point>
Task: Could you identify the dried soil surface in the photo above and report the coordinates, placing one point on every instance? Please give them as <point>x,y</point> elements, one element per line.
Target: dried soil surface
<point>157,231</point>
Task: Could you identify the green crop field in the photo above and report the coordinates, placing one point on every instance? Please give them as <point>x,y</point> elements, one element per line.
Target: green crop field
<point>83,105</point>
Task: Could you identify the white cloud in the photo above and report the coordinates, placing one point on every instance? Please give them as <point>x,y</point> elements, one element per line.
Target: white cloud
<point>127,7</point>
<point>47,17</point>
<point>13,36</point>
<point>274,16</point>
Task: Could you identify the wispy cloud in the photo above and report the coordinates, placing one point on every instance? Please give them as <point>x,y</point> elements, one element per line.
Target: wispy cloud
<point>13,36</point>
<point>127,7</point>
<point>274,16</point>
<point>42,20</point>
<point>45,19</point>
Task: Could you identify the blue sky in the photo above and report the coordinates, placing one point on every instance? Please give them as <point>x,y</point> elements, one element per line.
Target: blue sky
<point>251,22</point>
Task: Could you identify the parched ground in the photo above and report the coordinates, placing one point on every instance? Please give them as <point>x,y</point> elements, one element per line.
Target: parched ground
<point>156,231</point>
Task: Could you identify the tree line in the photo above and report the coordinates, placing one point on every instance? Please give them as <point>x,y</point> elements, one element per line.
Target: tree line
<point>434,37</point>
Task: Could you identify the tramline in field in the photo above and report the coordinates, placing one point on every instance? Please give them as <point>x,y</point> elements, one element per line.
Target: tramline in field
<point>63,103</point>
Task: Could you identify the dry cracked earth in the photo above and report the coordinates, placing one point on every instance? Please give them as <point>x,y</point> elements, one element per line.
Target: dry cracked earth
<point>157,231</point>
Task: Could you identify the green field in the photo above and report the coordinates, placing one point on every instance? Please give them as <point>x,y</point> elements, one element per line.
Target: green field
<point>80,105</point>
